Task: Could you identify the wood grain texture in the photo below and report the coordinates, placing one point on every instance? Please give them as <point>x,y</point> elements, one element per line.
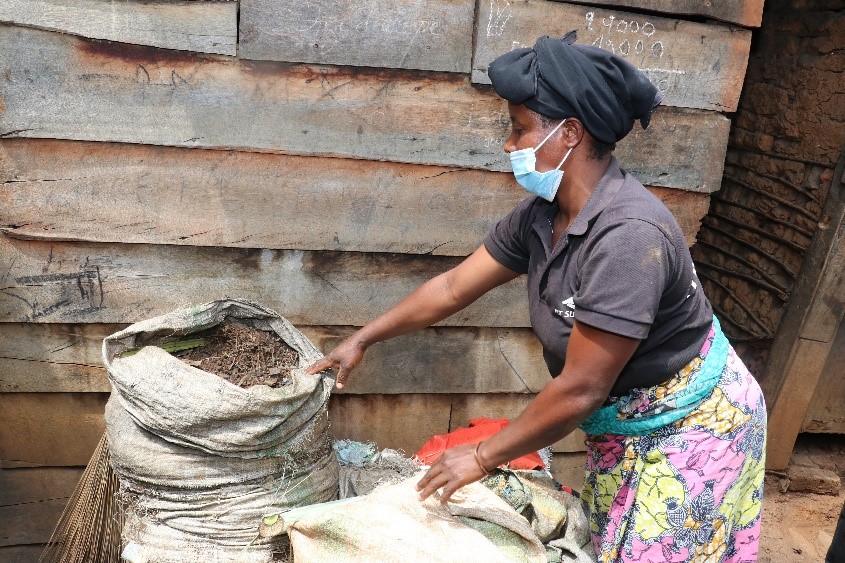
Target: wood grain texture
<point>28,524</point>
<point>826,411</point>
<point>808,331</point>
<point>207,27</point>
<point>411,34</point>
<point>44,357</point>
<point>402,422</point>
<point>107,283</point>
<point>568,469</point>
<point>748,13</point>
<point>50,429</point>
<point>166,195</point>
<point>28,485</point>
<point>62,429</point>
<point>31,501</point>
<point>445,360</point>
<point>69,88</point>
<point>22,553</point>
<point>694,65</point>
<point>406,422</point>
<point>50,358</point>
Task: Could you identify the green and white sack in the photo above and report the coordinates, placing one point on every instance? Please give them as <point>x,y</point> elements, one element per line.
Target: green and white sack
<point>201,460</point>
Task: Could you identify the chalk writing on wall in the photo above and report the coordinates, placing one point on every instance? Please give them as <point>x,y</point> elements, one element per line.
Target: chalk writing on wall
<point>330,32</point>
<point>500,13</point>
<point>628,38</point>
<point>624,36</point>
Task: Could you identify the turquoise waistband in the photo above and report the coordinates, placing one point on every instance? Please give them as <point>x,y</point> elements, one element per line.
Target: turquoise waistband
<point>608,419</point>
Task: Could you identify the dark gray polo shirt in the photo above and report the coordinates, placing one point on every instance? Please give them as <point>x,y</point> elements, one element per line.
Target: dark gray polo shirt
<point>622,266</point>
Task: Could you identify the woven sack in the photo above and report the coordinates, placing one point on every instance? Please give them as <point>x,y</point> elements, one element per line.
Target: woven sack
<point>201,460</point>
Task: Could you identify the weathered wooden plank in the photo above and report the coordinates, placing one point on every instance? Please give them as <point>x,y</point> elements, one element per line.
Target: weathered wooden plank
<point>50,358</point>
<point>445,360</point>
<point>38,484</point>
<point>50,429</point>
<point>29,523</point>
<point>789,406</point>
<point>43,357</point>
<point>826,411</point>
<point>695,65</point>
<point>167,195</point>
<point>400,422</point>
<point>406,422</point>
<point>31,502</point>
<point>63,429</point>
<point>748,13</point>
<point>412,34</point>
<point>68,88</point>
<point>102,283</point>
<point>208,27</point>
<point>568,469</point>
<point>42,376</point>
<point>806,335</point>
<point>22,553</point>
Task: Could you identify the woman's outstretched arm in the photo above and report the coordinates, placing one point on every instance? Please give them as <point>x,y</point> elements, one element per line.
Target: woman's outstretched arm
<point>430,303</point>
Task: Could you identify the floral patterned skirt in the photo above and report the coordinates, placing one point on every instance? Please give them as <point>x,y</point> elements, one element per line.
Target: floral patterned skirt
<point>690,491</point>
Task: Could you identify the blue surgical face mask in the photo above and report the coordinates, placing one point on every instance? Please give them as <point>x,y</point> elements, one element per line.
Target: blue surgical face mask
<point>543,184</point>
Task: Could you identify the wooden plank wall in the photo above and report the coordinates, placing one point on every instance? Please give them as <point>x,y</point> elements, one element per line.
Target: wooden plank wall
<point>319,157</point>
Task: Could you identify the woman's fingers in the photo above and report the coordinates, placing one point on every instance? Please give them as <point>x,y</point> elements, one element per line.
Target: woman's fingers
<point>342,374</point>
<point>431,485</point>
<point>320,365</point>
<point>432,472</point>
<point>448,490</point>
<point>345,357</point>
<point>452,470</point>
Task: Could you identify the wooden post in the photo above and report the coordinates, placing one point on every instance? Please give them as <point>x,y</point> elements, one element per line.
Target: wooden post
<point>808,330</point>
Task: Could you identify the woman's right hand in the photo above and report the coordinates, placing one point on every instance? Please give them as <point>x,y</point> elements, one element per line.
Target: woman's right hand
<point>344,358</point>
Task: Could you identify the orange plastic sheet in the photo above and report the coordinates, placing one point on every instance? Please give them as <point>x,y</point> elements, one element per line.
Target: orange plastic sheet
<point>479,429</point>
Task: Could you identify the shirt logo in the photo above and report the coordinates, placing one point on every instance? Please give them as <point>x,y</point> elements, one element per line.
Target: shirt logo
<point>569,309</point>
<point>693,285</point>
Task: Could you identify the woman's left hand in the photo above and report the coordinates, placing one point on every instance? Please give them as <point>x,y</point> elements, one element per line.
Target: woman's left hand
<point>455,468</point>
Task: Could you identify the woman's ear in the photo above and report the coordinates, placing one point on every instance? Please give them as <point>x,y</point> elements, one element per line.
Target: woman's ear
<point>573,132</point>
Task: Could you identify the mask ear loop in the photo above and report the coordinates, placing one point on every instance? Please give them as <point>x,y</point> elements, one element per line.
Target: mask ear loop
<point>564,158</point>
<point>549,136</point>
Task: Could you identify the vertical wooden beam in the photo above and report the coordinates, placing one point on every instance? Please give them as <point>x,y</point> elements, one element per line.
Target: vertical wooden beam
<point>808,330</point>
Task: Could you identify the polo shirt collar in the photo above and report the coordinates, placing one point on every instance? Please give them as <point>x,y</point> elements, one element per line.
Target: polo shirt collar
<point>602,195</point>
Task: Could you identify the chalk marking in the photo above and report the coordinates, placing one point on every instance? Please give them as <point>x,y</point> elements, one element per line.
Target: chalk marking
<point>500,13</point>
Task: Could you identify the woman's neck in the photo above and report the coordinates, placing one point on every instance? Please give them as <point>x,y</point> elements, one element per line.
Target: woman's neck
<point>579,182</point>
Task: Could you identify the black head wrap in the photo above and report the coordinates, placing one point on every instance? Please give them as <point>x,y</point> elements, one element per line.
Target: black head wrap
<point>559,79</point>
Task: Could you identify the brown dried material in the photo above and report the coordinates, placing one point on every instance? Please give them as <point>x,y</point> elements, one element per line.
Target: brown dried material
<point>244,356</point>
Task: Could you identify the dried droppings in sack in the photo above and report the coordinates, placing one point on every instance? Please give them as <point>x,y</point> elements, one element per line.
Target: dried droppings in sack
<point>243,355</point>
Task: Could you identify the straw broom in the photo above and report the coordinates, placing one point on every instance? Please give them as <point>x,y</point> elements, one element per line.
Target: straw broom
<point>90,526</point>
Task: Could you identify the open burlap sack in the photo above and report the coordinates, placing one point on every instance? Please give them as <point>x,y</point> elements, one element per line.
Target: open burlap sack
<point>199,459</point>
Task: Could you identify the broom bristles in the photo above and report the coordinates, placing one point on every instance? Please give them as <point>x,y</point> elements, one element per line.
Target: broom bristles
<point>90,526</point>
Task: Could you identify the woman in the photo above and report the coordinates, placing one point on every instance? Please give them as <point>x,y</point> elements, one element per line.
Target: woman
<point>675,424</point>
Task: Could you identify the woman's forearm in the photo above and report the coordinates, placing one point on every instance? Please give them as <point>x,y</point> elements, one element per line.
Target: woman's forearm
<point>553,414</point>
<point>430,303</point>
<point>593,362</point>
<point>433,301</point>
<point>438,298</point>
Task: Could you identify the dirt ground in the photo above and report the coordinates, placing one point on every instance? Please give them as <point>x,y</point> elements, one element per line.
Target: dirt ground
<point>798,526</point>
